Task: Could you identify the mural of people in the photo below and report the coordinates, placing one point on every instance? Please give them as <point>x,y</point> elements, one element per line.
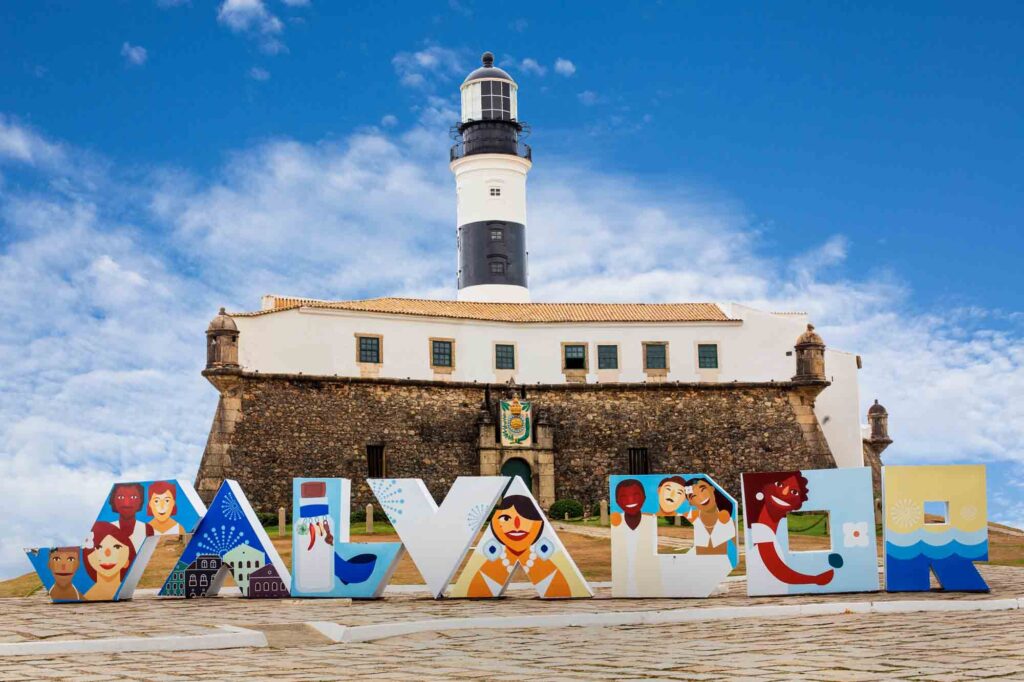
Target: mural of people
<point>517,538</point>
<point>163,506</point>
<point>767,499</point>
<point>126,500</point>
<point>63,563</point>
<point>637,534</point>
<point>107,560</point>
<point>711,516</point>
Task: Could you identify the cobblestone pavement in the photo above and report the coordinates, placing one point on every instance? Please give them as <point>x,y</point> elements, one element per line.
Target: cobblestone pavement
<point>959,646</point>
<point>925,646</point>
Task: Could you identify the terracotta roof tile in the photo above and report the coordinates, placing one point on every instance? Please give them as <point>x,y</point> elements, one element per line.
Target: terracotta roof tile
<point>514,312</point>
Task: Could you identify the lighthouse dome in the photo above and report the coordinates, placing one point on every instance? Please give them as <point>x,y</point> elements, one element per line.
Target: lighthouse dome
<point>488,70</point>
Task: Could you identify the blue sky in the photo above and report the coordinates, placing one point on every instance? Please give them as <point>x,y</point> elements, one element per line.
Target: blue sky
<point>159,159</point>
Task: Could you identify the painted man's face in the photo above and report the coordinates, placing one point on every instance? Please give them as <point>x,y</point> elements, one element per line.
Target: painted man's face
<point>515,531</point>
<point>161,505</point>
<point>127,500</point>
<point>670,496</point>
<point>782,497</point>
<point>702,495</point>
<point>110,557</point>
<point>630,498</point>
<point>63,563</point>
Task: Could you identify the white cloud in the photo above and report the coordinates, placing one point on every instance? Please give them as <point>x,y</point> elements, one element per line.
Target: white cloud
<point>134,55</point>
<point>258,73</point>
<point>530,65</point>
<point>20,143</point>
<point>588,98</point>
<point>428,67</point>
<point>252,17</point>
<point>389,120</point>
<point>105,304</point>
<point>564,67</point>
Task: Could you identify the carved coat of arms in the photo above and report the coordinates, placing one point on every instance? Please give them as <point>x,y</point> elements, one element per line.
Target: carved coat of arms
<point>516,422</point>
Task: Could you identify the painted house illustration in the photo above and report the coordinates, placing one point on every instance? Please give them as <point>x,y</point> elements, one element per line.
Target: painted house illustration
<point>265,583</point>
<point>200,574</point>
<point>243,560</point>
<point>175,585</point>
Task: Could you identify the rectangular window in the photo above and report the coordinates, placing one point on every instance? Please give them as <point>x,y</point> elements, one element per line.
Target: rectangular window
<point>655,356</point>
<point>369,349</point>
<point>375,461</point>
<point>607,357</point>
<point>497,235</point>
<point>504,356</point>
<point>441,353</point>
<point>639,465</point>
<point>707,356</point>
<point>575,356</point>
<point>495,191</point>
<point>497,267</point>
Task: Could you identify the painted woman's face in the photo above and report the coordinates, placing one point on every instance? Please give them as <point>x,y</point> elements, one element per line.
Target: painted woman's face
<point>109,558</point>
<point>670,496</point>
<point>782,497</point>
<point>161,506</point>
<point>630,498</point>
<point>63,564</point>
<point>702,496</point>
<point>514,531</point>
<point>127,500</point>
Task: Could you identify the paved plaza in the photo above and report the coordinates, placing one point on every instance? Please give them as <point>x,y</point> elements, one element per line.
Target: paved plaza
<point>970,644</point>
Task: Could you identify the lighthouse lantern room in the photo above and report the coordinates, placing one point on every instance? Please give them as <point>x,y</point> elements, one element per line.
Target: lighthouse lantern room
<point>490,163</point>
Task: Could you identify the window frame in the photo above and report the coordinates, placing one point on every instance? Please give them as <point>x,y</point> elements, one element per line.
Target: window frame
<point>515,360</point>
<point>586,357</point>
<point>655,371</point>
<point>380,348</point>
<point>718,358</point>
<point>615,346</point>
<point>430,350</point>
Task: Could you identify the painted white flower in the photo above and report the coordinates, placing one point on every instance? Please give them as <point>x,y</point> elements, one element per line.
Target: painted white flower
<point>855,534</point>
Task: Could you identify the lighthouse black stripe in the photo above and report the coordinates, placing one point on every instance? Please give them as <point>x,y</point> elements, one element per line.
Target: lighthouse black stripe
<point>492,252</point>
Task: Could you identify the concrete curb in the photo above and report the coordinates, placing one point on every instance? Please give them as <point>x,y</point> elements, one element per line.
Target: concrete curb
<point>230,637</point>
<point>367,633</point>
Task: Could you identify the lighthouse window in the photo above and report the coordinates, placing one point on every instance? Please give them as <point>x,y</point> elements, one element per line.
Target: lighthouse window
<point>496,100</point>
<point>574,356</point>
<point>504,356</point>
<point>707,356</point>
<point>496,235</point>
<point>497,267</point>
<point>495,191</point>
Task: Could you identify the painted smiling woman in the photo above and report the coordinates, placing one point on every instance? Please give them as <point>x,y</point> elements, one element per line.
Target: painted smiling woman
<point>768,498</point>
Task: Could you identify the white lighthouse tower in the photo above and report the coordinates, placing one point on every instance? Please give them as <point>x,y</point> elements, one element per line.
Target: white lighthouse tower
<point>490,166</point>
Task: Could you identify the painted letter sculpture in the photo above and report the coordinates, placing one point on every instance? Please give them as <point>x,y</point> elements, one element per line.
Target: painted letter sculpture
<point>916,545</point>
<point>229,539</point>
<point>850,565</point>
<point>519,535</point>
<point>324,562</point>
<point>120,543</point>
<point>638,570</point>
<point>438,538</point>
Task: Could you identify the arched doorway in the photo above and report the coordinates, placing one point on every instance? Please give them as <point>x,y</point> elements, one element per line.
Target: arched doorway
<point>517,466</point>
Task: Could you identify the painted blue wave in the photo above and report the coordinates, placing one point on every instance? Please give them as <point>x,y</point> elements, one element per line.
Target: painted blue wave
<point>936,538</point>
<point>976,552</point>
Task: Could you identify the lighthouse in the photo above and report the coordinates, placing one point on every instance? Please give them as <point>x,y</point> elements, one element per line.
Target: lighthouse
<point>490,164</point>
